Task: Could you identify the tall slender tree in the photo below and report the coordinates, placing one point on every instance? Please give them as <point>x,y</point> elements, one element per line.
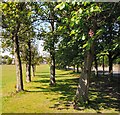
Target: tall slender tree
<point>48,17</point>
<point>14,18</point>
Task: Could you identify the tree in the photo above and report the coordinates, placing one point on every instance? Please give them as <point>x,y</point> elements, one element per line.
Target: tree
<point>108,44</point>
<point>9,60</point>
<point>48,16</point>
<point>110,36</point>
<point>35,58</point>
<point>69,45</point>
<point>6,60</point>
<point>26,53</point>
<point>26,58</point>
<point>15,16</point>
<point>84,22</point>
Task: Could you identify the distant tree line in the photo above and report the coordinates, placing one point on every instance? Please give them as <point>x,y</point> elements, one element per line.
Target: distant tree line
<point>6,60</point>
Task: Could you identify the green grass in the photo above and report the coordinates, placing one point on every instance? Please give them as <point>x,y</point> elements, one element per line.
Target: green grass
<point>39,97</point>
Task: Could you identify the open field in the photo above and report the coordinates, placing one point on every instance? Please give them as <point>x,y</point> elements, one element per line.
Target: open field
<point>39,97</point>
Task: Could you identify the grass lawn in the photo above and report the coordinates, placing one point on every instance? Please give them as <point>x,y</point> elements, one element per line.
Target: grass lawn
<point>39,97</point>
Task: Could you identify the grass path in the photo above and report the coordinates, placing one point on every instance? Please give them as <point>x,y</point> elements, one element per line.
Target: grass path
<point>39,97</point>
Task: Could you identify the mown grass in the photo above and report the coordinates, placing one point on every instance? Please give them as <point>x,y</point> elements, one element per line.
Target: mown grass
<point>39,97</point>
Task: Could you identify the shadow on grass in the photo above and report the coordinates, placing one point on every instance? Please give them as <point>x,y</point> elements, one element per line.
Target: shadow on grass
<point>42,75</point>
<point>103,94</point>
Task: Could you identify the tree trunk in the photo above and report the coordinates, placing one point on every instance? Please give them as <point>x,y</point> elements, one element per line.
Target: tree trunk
<point>64,67</point>
<point>33,69</point>
<point>52,48</point>
<point>28,77</point>
<point>52,70</point>
<point>110,53</point>
<point>110,64</point>
<point>83,86</point>
<point>77,68</point>
<point>73,68</point>
<point>28,65</point>
<point>96,66</point>
<point>103,66</point>
<point>68,67</point>
<point>19,86</point>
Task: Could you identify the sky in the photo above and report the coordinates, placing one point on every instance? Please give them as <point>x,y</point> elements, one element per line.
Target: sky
<point>40,50</point>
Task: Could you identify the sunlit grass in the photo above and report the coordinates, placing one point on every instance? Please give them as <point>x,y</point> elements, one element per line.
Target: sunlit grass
<point>39,97</point>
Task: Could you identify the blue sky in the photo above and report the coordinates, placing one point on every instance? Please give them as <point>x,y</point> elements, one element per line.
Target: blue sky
<point>40,49</point>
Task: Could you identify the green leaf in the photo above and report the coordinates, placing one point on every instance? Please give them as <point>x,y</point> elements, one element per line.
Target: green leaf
<point>4,6</point>
<point>73,18</point>
<point>60,28</point>
<point>97,8</point>
<point>80,10</point>
<point>71,23</point>
<point>83,37</point>
<point>91,9</point>
<point>85,3</point>
<point>72,32</point>
<point>99,33</point>
<point>85,45</point>
<point>88,44</point>
<point>29,14</point>
<point>118,19</point>
<point>77,22</point>
<point>60,6</point>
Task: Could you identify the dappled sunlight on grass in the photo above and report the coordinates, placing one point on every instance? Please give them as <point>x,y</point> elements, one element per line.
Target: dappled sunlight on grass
<point>104,95</point>
<point>40,97</point>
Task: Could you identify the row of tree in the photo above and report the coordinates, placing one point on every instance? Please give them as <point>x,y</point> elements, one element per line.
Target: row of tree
<point>90,30</point>
<point>18,37</point>
<point>74,33</point>
<point>82,33</point>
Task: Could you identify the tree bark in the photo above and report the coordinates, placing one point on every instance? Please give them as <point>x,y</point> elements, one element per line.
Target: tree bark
<point>83,86</point>
<point>28,77</point>
<point>52,48</point>
<point>77,68</point>
<point>110,43</point>
<point>28,65</point>
<point>19,86</point>
<point>52,70</point>
<point>110,64</point>
<point>66,68</point>
<point>73,68</point>
<point>103,65</point>
<point>96,66</point>
<point>33,70</point>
